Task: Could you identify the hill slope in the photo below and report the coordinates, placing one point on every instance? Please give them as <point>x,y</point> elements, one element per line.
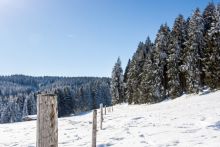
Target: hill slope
<point>186,121</point>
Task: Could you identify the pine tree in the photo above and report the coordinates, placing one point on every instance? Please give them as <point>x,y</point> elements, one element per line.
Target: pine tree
<point>161,44</point>
<point>126,78</point>
<point>155,71</point>
<point>194,49</point>
<point>147,89</point>
<point>65,101</point>
<point>176,75</point>
<point>126,71</point>
<point>129,85</point>
<point>134,74</point>
<point>209,19</point>
<point>214,54</point>
<point>117,85</point>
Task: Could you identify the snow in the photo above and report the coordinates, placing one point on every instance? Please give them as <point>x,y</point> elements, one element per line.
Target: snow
<point>188,121</point>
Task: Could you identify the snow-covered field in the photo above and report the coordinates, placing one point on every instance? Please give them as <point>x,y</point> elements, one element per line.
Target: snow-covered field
<point>188,121</point>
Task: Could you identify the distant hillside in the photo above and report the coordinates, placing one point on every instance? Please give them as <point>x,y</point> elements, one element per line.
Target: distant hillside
<point>75,94</point>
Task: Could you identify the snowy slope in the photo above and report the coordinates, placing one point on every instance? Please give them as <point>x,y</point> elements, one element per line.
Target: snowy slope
<point>188,121</point>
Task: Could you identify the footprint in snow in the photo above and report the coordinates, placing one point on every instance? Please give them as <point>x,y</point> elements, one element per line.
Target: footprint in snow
<point>69,129</point>
<point>137,118</point>
<point>202,119</point>
<point>182,127</point>
<point>173,143</point>
<point>192,131</point>
<point>117,138</point>
<point>64,142</point>
<point>141,135</point>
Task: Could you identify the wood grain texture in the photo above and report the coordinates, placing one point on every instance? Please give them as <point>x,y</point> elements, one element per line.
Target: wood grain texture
<point>47,120</point>
<point>94,128</point>
<point>101,116</point>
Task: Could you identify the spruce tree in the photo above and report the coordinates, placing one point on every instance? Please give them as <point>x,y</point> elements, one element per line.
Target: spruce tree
<point>126,78</point>
<point>134,77</point>
<point>175,73</point>
<point>129,86</point>
<point>214,55</point>
<point>126,71</point>
<point>209,19</point>
<point>173,87</point>
<point>155,71</point>
<point>117,85</point>
<point>148,76</point>
<point>194,49</point>
<point>161,44</point>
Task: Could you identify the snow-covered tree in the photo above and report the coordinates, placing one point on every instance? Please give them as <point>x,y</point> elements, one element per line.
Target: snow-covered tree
<point>126,71</point>
<point>175,73</point>
<point>209,19</point>
<point>134,77</point>
<point>213,64</point>
<point>161,44</point>
<point>126,78</point>
<point>194,48</point>
<point>148,85</point>
<point>117,84</point>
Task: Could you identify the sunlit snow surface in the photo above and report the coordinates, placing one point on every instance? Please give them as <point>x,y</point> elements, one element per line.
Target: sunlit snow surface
<point>188,121</point>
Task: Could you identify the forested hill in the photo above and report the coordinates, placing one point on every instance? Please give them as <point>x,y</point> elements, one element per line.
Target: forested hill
<point>75,94</point>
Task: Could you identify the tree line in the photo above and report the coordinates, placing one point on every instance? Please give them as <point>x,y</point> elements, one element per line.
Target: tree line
<point>18,94</point>
<point>184,59</point>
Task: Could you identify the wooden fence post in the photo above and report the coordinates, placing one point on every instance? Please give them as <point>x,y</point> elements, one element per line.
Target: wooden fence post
<point>105,109</point>
<point>47,120</point>
<point>101,115</point>
<point>94,128</point>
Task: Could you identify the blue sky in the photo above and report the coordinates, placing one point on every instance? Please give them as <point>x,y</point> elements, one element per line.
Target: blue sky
<point>79,37</point>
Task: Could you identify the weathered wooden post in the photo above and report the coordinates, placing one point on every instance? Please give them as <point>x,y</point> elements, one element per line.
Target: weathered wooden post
<point>101,115</point>
<point>94,128</point>
<point>105,109</point>
<point>47,120</point>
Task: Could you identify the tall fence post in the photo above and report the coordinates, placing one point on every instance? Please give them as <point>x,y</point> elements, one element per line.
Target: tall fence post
<point>47,120</point>
<point>101,115</point>
<point>94,128</point>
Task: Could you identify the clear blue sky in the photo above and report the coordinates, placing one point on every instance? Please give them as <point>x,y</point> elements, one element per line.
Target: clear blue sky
<point>79,37</point>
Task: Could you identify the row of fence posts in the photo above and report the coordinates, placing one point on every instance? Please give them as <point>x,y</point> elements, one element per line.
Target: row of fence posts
<point>94,124</point>
<point>47,121</point>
